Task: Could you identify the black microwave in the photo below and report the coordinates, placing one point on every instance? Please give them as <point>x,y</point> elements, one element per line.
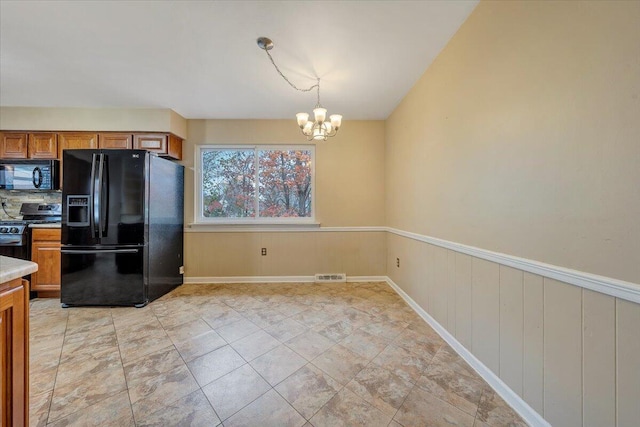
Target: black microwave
<point>29,174</point>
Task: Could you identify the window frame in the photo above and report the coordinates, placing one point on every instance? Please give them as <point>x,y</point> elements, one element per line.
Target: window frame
<point>199,218</point>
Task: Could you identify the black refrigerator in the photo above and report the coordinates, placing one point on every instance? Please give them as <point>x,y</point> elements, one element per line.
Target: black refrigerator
<point>122,227</point>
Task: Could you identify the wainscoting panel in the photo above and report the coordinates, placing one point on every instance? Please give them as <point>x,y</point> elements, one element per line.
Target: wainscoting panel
<point>628,363</point>
<point>511,327</point>
<point>562,353</point>
<point>533,351</point>
<point>485,328</point>
<point>572,354</point>
<point>599,352</point>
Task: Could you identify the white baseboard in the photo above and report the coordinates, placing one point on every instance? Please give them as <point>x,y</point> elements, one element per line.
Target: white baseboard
<point>275,279</point>
<point>528,414</point>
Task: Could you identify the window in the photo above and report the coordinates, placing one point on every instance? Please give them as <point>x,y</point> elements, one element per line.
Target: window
<point>263,184</point>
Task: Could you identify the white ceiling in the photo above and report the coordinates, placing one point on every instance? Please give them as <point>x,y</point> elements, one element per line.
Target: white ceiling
<point>200,58</point>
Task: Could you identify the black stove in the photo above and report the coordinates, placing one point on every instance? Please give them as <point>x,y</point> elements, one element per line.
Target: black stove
<point>14,233</point>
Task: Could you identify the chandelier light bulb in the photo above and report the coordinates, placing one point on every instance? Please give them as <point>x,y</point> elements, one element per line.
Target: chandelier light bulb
<point>303,119</point>
<point>307,129</point>
<point>320,114</point>
<point>336,120</point>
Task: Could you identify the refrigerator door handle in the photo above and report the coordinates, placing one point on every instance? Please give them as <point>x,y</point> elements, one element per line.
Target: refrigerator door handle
<point>97,200</point>
<point>99,251</point>
<point>104,195</point>
<point>94,215</point>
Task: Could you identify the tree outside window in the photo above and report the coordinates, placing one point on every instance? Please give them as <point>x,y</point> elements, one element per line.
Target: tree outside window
<point>257,182</point>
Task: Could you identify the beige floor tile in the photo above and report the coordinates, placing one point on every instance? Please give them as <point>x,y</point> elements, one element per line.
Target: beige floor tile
<point>403,363</point>
<point>150,366</point>
<point>386,329</point>
<point>365,344</point>
<point>42,380</point>
<point>255,345</point>
<point>85,392</point>
<point>285,329</point>
<point>39,408</point>
<point>493,411</point>
<point>278,364</point>
<point>113,411</point>
<point>308,389</point>
<point>180,371</point>
<point>264,317</point>
<point>421,408</point>
<point>154,393</point>
<point>309,344</point>
<point>215,364</point>
<point>381,388</point>
<point>418,343</point>
<point>449,384</point>
<point>88,365</point>
<point>192,410</point>
<point>336,330</point>
<point>269,410</point>
<point>194,339</point>
<point>340,363</point>
<point>217,316</point>
<point>311,317</point>
<point>235,390</point>
<point>234,331</point>
<point>346,409</point>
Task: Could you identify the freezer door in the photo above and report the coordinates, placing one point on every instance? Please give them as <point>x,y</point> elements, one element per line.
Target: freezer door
<point>105,276</point>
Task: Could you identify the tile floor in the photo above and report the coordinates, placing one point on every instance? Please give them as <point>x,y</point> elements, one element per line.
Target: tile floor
<point>253,355</point>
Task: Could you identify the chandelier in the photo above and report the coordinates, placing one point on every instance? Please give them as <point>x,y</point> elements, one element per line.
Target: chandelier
<point>319,128</point>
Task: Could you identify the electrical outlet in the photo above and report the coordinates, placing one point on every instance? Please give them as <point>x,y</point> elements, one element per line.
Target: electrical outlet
<point>264,251</point>
<point>398,262</point>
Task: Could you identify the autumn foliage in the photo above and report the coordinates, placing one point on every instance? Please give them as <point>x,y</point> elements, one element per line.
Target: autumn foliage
<point>283,187</point>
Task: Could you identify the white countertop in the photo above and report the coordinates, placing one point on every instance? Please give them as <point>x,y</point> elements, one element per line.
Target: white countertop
<point>46,225</point>
<point>12,268</point>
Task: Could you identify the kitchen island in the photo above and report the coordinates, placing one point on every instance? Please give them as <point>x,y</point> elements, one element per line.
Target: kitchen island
<point>14,328</point>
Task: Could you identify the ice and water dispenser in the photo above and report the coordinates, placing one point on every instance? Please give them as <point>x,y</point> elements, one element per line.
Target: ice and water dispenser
<point>78,211</point>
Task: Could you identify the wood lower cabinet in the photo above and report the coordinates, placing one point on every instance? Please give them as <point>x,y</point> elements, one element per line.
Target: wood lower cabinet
<point>45,251</point>
<point>122,141</point>
<point>14,352</point>
<point>43,145</point>
<point>13,145</point>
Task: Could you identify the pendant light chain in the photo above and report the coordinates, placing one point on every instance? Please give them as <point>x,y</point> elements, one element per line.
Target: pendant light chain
<point>287,80</point>
<point>320,128</point>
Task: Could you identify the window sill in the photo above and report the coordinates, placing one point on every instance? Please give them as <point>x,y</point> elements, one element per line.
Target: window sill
<point>230,227</point>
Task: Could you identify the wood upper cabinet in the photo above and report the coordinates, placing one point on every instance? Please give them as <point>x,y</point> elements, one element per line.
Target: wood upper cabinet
<point>13,145</point>
<point>175,147</point>
<point>167,145</point>
<point>43,145</point>
<point>115,140</point>
<point>156,142</point>
<point>14,353</point>
<point>76,140</point>
<point>45,251</point>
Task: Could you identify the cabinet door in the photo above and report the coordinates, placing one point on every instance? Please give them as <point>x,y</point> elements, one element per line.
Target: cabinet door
<point>14,353</point>
<point>73,141</point>
<point>150,142</point>
<point>175,147</point>
<point>45,251</point>
<point>115,140</point>
<point>13,145</point>
<point>43,146</point>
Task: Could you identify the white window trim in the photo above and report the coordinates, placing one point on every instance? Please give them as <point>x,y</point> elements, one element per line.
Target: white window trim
<point>200,219</point>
